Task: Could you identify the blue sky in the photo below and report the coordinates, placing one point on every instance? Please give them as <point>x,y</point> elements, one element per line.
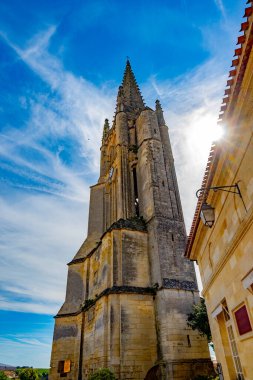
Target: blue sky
<point>60,65</point>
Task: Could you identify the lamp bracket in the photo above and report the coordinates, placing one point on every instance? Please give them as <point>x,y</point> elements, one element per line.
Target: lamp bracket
<point>234,189</point>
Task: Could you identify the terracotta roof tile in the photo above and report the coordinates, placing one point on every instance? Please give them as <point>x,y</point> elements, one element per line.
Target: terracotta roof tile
<point>235,62</point>
<point>232,73</point>
<point>244,26</point>
<point>248,12</point>
<point>241,39</point>
<point>238,52</point>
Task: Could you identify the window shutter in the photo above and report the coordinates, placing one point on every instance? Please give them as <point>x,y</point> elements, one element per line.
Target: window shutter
<point>242,319</point>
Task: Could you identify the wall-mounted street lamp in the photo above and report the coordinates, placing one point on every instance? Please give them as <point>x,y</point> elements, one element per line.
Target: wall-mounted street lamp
<point>207,214</point>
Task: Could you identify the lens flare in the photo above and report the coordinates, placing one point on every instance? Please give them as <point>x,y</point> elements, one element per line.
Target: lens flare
<point>202,132</point>
<point>217,132</point>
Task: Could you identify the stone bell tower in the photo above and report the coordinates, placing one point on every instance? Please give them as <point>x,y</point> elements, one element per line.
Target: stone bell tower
<point>129,286</point>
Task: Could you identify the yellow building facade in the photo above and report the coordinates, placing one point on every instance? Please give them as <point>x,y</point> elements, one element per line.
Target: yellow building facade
<point>224,252</point>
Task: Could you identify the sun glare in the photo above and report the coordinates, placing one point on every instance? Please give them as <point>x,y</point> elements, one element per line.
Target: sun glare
<point>218,132</point>
<point>203,132</point>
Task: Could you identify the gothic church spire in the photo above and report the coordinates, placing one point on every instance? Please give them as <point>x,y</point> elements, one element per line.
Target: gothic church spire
<point>129,97</point>
<point>136,238</point>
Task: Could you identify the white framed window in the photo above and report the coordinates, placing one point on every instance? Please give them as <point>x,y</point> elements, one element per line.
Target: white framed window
<point>236,358</point>
<point>222,309</point>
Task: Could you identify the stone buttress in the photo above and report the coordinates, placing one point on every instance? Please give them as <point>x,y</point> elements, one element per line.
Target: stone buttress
<point>129,286</point>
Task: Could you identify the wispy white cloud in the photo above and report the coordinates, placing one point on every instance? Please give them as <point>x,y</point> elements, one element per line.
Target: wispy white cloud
<point>33,342</point>
<point>20,349</point>
<point>76,112</point>
<point>44,216</point>
<point>38,235</point>
<point>221,7</point>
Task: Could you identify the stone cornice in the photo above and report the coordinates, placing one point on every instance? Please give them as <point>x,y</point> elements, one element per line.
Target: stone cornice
<point>171,283</point>
<point>113,290</point>
<point>134,224</point>
<point>82,259</point>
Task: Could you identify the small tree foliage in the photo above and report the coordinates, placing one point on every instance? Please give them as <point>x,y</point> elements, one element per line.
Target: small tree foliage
<point>28,374</point>
<point>198,319</point>
<point>102,374</point>
<point>3,376</point>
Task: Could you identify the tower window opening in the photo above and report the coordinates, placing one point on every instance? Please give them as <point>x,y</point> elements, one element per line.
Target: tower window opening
<point>64,367</point>
<point>172,237</point>
<point>155,130</point>
<point>136,198</point>
<point>188,341</point>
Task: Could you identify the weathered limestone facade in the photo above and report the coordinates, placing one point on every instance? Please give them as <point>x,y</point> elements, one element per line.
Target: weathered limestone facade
<point>225,251</point>
<point>129,286</point>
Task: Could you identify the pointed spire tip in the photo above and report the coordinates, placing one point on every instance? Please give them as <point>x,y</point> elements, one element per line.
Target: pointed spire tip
<point>158,104</point>
<point>129,95</point>
<point>159,112</point>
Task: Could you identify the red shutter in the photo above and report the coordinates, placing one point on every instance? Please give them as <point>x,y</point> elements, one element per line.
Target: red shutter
<point>242,319</point>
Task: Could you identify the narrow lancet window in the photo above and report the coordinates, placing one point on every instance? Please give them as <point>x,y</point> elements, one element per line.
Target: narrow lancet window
<point>136,199</point>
